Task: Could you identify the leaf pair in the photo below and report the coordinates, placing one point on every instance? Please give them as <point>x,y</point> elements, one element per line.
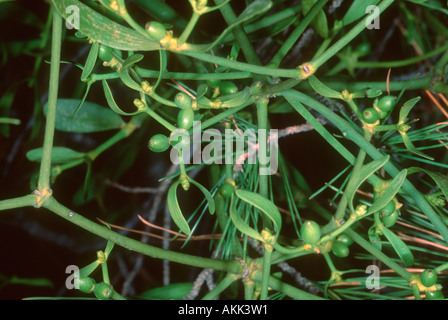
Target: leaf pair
<point>404,112</point>
<point>174,208</point>
<point>263,204</point>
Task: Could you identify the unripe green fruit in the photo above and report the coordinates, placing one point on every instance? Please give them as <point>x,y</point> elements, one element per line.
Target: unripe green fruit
<point>226,190</point>
<point>158,143</point>
<point>310,232</point>
<point>386,103</point>
<point>388,209</point>
<point>228,87</point>
<point>363,49</point>
<point>340,250</point>
<point>428,278</point>
<point>370,115</point>
<point>156,30</point>
<point>434,295</point>
<point>86,284</point>
<point>106,53</point>
<point>103,291</point>
<point>391,219</point>
<point>182,100</point>
<point>185,118</point>
<point>214,83</point>
<point>345,239</point>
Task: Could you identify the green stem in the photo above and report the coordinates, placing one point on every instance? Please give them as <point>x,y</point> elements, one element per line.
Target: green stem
<point>348,37</point>
<point>295,35</point>
<point>134,245</point>
<point>239,34</point>
<point>45,168</point>
<point>379,255</point>
<point>399,63</point>
<point>287,289</point>
<point>267,255</point>
<point>256,69</point>
<point>188,29</point>
<point>19,202</point>
<point>351,134</point>
<point>262,116</point>
<point>249,289</point>
<point>223,285</point>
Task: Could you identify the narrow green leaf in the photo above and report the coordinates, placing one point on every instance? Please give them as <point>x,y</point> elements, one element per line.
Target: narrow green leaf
<point>374,238</point>
<point>410,146</point>
<point>263,204</point>
<point>90,62</point>
<point>175,291</point>
<point>357,10</point>
<point>238,99</point>
<point>35,282</point>
<point>389,193</point>
<point>175,212</point>
<point>102,29</point>
<point>91,118</point>
<point>87,270</point>
<point>163,64</point>
<point>111,101</point>
<point>406,108</point>
<point>201,91</point>
<point>208,196</point>
<point>365,172</point>
<point>319,22</point>
<point>131,60</point>
<point>322,89</point>
<point>241,225</point>
<point>400,247</point>
<point>59,155</point>
<point>128,81</point>
<point>440,179</point>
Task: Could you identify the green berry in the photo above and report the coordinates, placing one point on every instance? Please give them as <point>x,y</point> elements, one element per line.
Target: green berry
<point>363,49</point>
<point>103,291</point>
<point>228,87</point>
<point>214,83</point>
<point>434,295</point>
<point>389,208</point>
<point>156,30</point>
<point>345,239</point>
<point>428,278</point>
<point>386,103</point>
<point>340,250</point>
<point>158,143</point>
<point>86,284</point>
<point>310,232</point>
<point>391,219</point>
<point>370,115</point>
<point>182,100</point>
<point>185,118</point>
<point>226,190</point>
<point>105,53</point>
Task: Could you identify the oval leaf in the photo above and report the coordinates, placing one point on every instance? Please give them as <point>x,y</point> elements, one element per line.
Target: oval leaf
<point>440,179</point>
<point>241,225</point>
<point>208,196</point>
<point>59,155</point>
<point>175,212</point>
<point>362,175</point>
<point>103,29</point>
<point>111,101</point>
<point>91,118</point>
<point>263,204</point>
<point>400,247</point>
<point>322,89</point>
<point>389,193</point>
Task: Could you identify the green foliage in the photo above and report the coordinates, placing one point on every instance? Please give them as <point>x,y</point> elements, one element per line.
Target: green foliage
<point>355,187</point>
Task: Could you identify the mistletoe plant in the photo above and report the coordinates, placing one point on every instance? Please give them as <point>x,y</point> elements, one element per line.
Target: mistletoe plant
<point>220,104</point>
